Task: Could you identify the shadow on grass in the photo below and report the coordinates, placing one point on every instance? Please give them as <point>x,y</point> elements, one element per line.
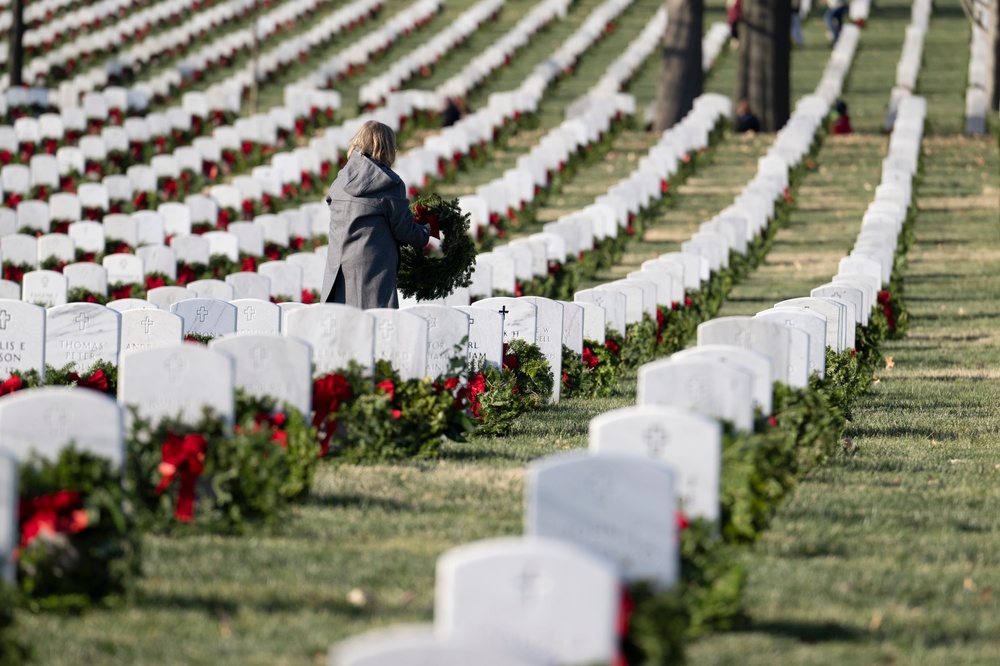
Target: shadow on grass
<point>358,502</point>
<point>217,606</point>
<point>805,632</point>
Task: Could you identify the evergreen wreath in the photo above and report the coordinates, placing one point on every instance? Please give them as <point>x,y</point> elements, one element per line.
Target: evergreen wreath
<point>80,541</point>
<point>429,278</point>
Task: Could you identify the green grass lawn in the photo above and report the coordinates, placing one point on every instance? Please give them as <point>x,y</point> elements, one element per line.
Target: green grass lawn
<point>886,555</point>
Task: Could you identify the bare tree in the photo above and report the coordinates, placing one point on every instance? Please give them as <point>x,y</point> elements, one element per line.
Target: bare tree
<point>763,76</point>
<point>681,72</point>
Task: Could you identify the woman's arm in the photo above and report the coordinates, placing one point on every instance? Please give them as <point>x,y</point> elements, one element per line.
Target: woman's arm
<point>404,229</point>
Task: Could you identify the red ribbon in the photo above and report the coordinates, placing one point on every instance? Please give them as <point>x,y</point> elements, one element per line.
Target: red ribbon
<point>185,457</point>
<point>388,387</point>
<point>470,393</point>
<point>590,359</point>
<point>11,385</point>
<point>328,393</point>
<point>60,512</point>
<point>883,299</point>
<point>97,380</point>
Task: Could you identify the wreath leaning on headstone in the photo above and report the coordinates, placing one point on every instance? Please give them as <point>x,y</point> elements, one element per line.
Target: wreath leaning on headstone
<point>431,277</point>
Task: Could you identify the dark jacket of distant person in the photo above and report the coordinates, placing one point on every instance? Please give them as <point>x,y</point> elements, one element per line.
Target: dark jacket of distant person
<point>369,219</point>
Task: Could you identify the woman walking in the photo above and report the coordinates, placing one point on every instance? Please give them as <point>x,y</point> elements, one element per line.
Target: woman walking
<point>369,219</point>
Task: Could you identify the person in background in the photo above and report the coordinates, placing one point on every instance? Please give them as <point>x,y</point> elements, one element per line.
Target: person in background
<point>746,121</point>
<point>834,17</point>
<point>454,109</point>
<point>369,219</point>
<point>841,121</point>
<point>797,37</point>
<point>734,12</point>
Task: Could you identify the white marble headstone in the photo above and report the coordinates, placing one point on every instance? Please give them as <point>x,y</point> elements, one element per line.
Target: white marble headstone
<point>124,269</point>
<point>787,348</point>
<point>313,268</point>
<point>613,302</point>
<point>688,442</point>
<point>810,321</point>
<point>548,337</point>
<point>86,275</point>
<point>272,366</point>
<point>416,646</point>
<point>46,420</point>
<point>256,316</point>
<point>10,290</point>
<point>164,297</point>
<point>286,279</point>
<point>447,336</point>
<point>842,292</point>
<point>250,285</point>
<point>82,334</point>
<point>556,602</point>
<point>338,334</point>
<point>149,328</point>
<point>594,321</point>
<point>622,507</point>
<point>572,334</point>
<point>704,387</point>
<point>46,288</point>
<point>520,317</point>
<point>757,364</point>
<point>22,338</point>
<point>401,339</point>
<point>179,381</point>
<point>835,313</point>
<point>206,316</point>
<point>126,304</point>
<point>212,289</point>
<point>485,335</point>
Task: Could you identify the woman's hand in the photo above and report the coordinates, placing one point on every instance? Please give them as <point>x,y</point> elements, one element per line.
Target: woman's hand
<point>432,245</point>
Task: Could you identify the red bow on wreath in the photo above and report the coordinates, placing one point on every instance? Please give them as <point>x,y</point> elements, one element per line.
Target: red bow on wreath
<point>11,385</point>
<point>328,393</point>
<point>883,299</point>
<point>97,380</point>
<point>58,513</point>
<point>186,457</point>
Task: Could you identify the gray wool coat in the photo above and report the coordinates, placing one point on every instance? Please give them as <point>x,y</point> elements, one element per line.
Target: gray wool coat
<point>369,219</point>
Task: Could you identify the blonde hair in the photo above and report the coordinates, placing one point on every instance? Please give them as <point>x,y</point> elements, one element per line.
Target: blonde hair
<point>378,140</point>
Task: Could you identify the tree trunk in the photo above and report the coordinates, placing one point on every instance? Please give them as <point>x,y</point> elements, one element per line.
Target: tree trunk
<point>681,72</point>
<point>16,54</point>
<point>763,75</point>
<point>993,70</point>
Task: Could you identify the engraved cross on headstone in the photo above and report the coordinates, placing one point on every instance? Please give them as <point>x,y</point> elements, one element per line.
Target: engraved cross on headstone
<point>699,391</point>
<point>744,338</point>
<point>330,326</point>
<point>4,318</point>
<point>258,354</point>
<point>55,419</point>
<point>600,486</point>
<point>249,312</point>
<point>202,314</point>
<point>656,439</point>
<point>146,324</point>
<point>82,319</point>
<point>175,368</point>
<point>532,586</point>
<point>385,328</point>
